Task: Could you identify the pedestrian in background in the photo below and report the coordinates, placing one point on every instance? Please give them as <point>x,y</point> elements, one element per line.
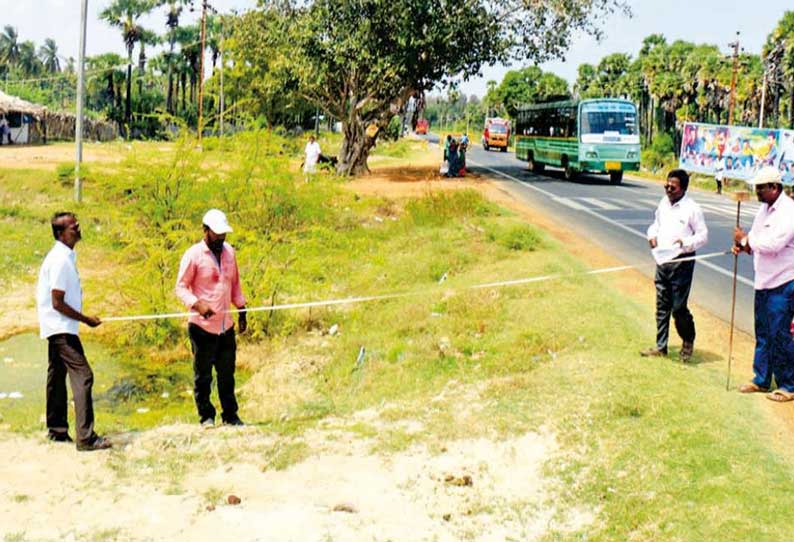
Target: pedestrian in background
<point>679,226</point>
<point>209,283</point>
<point>771,243</point>
<point>719,174</point>
<point>59,298</point>
<point>312,154</point>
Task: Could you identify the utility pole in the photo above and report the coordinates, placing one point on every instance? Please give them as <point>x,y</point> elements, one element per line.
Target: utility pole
<point>201,67</point>
<point>735,46</point>
<point>223,60</point>
<point>78,128</point>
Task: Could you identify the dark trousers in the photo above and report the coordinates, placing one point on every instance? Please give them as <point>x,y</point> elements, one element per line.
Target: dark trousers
<point>774,346</point>
<point>673,282</point>
<point>219,351</point>
<point>66,356</point>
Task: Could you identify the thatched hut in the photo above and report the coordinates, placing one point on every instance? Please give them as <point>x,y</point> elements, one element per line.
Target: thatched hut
<point>22,117</point>
<point>32,123</point>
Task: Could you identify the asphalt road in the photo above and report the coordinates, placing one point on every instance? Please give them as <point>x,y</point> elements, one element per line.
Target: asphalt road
<point>616,217</point>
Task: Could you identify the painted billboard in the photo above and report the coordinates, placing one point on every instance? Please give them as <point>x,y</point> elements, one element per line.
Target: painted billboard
<point>738,151</point>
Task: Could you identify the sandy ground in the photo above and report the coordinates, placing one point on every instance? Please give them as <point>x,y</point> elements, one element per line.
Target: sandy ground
<point>49,156</point>
<point>480,489</point>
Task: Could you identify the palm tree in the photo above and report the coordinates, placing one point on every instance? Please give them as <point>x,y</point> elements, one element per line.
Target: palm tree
<point>190,46</point>
<point>9,46</point>
<point>147,38</point>
<point>124,15</point>
<point>48,53</point>
<point>172,22</point>
<point>28,60</point>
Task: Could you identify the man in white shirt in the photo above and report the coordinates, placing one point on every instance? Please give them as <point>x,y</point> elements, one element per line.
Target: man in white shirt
<point>313,153</point>
<point>59,298</point>
<point>678,227</point>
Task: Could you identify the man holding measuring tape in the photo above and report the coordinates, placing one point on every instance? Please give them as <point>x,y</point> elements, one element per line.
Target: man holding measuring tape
<point>209,283</point>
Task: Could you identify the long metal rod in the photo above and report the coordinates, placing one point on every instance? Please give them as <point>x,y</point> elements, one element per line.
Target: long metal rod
<point>733,301</point>
<point>78,128</point>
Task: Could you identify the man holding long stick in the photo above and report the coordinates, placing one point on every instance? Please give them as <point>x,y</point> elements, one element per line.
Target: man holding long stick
<point>771,242</point>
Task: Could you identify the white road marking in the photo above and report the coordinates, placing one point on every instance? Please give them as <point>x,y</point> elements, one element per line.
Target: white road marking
<point>570,203</point>
<point>608,220</point>
<point>595,202</point>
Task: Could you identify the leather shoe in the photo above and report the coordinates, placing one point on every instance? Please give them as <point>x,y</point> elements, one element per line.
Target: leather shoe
<point>686,351</point>
<point>99,443</point>
<point>234,421</point>
<point>59,437</point>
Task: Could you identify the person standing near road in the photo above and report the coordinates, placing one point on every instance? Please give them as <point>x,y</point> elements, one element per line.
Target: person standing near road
<point>59,299</point>
<point>209,283</point>
<point>678,226</point>
<point>719,174</point>
<point>771,242</point>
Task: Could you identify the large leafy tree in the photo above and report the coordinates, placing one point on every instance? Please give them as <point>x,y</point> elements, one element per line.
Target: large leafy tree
<point>361,61</point>
<point>530,85</point>
<point>778,57</point>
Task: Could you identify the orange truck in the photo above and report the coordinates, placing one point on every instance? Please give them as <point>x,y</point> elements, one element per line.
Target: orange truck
<point>496,134</point>
<point>422,125</point>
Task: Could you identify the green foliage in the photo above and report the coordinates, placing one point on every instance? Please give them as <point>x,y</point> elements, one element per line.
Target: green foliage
<point>517,237</point>
<point>438,208</point>
<point>659,154</point>
<point>526,86</point>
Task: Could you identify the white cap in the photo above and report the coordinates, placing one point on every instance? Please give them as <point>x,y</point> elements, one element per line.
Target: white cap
<point>216,221</point>
<point>766,175</point>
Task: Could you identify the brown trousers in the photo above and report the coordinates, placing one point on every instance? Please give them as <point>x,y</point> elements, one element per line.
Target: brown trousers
<point>66,356</point>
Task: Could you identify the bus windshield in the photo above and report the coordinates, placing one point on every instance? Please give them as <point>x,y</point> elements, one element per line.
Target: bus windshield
<point>609,118</point>
<point>497,128</point>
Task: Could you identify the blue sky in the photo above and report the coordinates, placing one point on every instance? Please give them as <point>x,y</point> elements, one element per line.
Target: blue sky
<point>701,21</point>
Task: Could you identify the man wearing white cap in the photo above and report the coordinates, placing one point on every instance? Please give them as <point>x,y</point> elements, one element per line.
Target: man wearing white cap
<point>771,242</point>
<point>208,283</point>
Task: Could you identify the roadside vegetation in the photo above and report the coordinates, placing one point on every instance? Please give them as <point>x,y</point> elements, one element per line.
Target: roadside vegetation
<point>645,450</point>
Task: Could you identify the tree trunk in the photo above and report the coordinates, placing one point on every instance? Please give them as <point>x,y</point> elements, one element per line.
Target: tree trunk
<point>791,106</point>
<point>128,104</point>
<point>169,103</point>
<point>355,149</point>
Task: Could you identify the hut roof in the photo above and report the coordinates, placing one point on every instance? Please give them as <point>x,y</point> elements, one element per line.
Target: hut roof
<point>9,104</point>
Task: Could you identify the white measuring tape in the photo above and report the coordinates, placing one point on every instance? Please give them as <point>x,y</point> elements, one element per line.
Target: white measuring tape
<point>365,299</point>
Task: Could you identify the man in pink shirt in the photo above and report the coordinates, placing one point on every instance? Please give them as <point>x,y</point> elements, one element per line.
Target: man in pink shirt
<point>208,283</point>
<point>771,242</point>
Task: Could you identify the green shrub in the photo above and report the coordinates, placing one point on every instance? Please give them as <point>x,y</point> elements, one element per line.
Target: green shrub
<point>659,155</point>
<point>440,207</point>
<point>521,237</point>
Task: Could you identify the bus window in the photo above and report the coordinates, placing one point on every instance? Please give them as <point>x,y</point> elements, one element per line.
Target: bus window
<point>600,118</point>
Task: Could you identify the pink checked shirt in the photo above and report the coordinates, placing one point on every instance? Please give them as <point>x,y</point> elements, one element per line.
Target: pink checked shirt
<point>200,277</point>
<point>772,241</point>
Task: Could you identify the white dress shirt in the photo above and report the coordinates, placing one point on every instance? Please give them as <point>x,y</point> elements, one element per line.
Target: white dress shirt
<point>58,272</point>
<point>682,221</point>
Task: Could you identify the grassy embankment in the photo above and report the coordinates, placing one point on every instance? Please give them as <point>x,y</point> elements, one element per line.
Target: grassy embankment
<point>658,450</point>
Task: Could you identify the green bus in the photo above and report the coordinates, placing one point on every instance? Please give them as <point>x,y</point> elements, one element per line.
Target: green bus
<point>597,135</point>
